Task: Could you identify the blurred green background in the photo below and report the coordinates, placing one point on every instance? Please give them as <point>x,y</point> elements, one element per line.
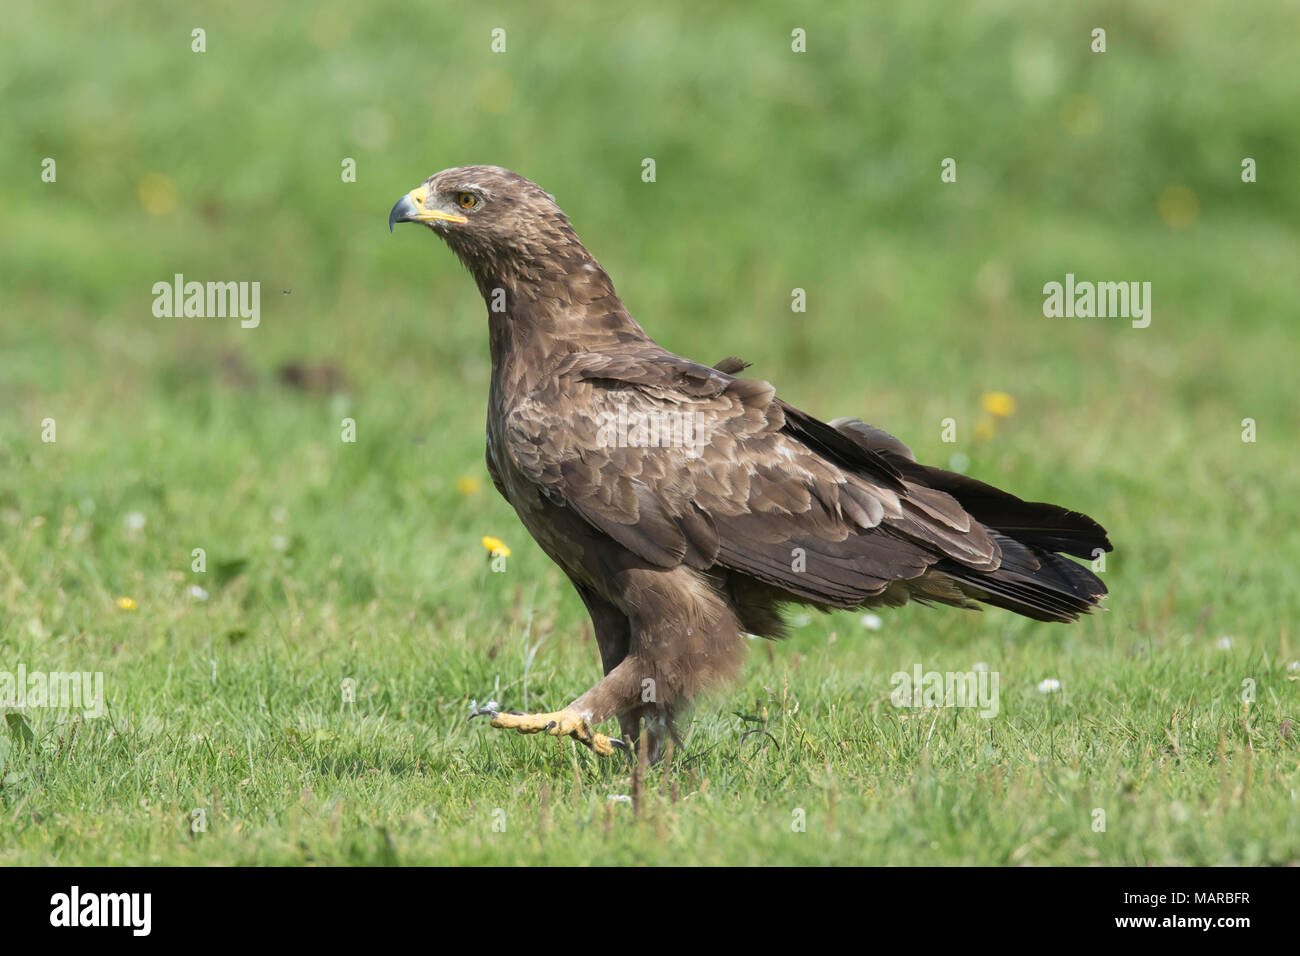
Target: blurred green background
<point>775,170</point>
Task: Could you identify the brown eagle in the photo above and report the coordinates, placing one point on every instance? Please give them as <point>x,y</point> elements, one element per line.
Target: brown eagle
<point>687,503</point>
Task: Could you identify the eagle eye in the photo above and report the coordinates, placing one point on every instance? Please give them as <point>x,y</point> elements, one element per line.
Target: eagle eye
<point>467,200</point>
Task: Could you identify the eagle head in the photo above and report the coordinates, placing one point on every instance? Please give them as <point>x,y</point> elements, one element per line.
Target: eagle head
<point>488,215</point>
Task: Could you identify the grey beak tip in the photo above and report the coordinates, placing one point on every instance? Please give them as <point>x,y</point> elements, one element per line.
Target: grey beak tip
<point>403,211</point>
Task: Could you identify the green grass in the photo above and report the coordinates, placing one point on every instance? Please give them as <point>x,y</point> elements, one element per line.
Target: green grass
<point>329,561</point>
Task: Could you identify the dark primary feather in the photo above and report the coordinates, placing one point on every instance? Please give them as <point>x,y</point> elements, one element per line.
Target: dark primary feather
<point>1032,522</point>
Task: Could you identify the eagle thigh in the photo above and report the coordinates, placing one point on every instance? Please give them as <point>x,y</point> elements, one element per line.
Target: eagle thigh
<point>683,640</point>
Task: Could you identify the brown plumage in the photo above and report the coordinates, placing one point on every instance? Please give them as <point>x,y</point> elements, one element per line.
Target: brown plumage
<point>686,503</point>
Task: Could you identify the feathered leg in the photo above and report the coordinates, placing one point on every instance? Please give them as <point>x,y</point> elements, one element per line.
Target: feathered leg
<point>682,638</point>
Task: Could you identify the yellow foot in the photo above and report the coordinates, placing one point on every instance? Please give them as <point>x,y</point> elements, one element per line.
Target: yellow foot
<point>561,723</point>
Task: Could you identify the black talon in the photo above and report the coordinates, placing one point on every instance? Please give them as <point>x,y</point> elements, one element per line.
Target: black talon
<point>547,728</point>
<point>589,742</point>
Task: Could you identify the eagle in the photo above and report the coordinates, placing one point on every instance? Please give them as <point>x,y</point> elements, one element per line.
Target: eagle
<point>687,503</point>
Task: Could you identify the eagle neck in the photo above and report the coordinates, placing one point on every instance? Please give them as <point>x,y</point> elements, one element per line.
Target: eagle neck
<point>534,322</point>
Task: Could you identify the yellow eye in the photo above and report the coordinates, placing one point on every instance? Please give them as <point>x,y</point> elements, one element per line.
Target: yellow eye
<point>467,200</point>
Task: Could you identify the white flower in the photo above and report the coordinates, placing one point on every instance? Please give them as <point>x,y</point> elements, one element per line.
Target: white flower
<point>198,593</point>
<point>1049,685</point>
<point>619,798</point>
<point>872,622</point>
<point>134,521</point>
<point>1224,643</point>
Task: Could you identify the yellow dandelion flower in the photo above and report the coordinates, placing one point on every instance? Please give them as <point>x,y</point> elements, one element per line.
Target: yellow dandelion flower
<point>998,403</point>
<point>157,193</point>
<point>127,604</point>
<point>1178,207</point>
<point>468,485</point>
<point>496,547</point>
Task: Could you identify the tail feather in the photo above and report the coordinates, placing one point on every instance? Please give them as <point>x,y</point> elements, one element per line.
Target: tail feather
<point>1033,578</point>
<point>1031,581</point>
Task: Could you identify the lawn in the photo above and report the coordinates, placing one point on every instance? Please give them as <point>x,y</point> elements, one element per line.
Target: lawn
<point>297,690</point>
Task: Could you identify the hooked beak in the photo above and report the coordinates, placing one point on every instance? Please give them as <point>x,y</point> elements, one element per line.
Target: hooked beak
<point>413,207</point>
